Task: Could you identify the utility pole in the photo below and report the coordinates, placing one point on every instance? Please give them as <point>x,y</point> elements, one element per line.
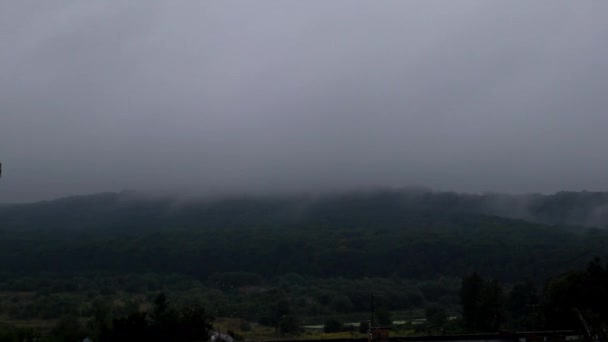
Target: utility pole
<point>376,333</point>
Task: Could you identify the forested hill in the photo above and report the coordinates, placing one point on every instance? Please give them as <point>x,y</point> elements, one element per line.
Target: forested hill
<point>129,210</point>
<point>411,234</point>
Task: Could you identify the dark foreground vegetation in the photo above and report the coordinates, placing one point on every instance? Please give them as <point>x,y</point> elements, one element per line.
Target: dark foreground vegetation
<point>161,323</point>
<point>576,300</point>
<point>96,264</point>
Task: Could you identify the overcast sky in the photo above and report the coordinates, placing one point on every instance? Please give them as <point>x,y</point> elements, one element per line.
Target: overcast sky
<point>258,96</point>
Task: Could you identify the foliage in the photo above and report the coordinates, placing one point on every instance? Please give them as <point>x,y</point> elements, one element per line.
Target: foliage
<point>97,261</point>
<point>384,316</point>
<point>163,323</point>
<point>68,328</point>
<point>10,333</point>
<point>413,235</point>
<point>470,294</point>
<point>436,316</point>
<point>483,304</point>
<point>364,327</point>
<point>567,301</point>
<point>289,324</point>
<point>523,306</point>
<point>333,325</point>
<point>582,292</point>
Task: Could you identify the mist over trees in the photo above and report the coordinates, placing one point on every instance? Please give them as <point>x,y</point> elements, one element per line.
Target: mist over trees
<point>132,210</point>
<point>407,233</point>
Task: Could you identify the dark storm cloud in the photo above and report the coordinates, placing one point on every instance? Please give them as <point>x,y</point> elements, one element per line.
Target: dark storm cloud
<point>302,95</point>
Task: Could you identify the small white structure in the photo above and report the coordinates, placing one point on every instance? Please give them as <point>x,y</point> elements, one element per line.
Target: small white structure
<point>219,337</point>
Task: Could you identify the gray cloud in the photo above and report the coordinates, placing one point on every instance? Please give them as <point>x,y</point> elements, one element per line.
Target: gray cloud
<point>302,95</point>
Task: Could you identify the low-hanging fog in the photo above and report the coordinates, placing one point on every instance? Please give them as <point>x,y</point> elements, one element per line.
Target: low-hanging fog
<point>265,96</point>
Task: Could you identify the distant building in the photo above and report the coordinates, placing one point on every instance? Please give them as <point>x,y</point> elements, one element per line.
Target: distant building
<point>219,337</point>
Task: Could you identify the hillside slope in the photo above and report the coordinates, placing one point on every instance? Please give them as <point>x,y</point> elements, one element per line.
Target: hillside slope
<point>385,233</point>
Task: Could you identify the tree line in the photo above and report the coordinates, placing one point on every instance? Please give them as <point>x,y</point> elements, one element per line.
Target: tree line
<point>482,304</point>
<point>565,302</point>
